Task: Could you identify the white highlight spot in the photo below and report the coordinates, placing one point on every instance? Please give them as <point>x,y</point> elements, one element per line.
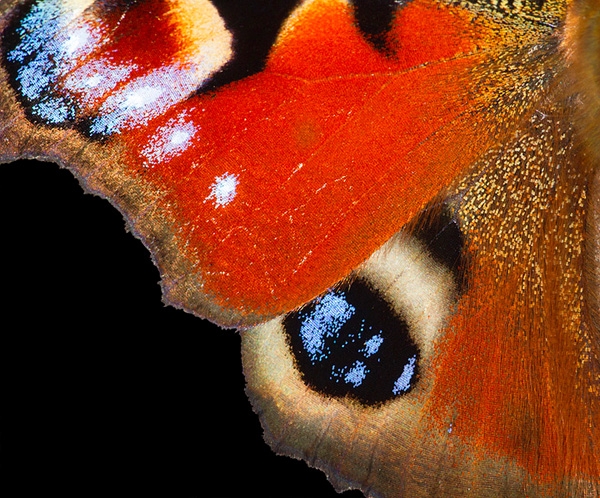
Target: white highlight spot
<point>223,190</point>
<point>55,41</point>
<point>52,39</point>
<point>93,81</point>
<point>169,140</point>
<point>141,97</point>
<point>77,40</point>
<point>96,78</point>
<point>179,137</point>
<point>403,382</point>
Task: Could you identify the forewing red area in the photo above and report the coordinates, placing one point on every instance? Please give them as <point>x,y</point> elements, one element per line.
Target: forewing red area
<point>145,28</point>
<point>334,147</point>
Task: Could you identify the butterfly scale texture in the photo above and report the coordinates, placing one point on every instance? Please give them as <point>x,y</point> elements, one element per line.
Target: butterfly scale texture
<point>260,195</point>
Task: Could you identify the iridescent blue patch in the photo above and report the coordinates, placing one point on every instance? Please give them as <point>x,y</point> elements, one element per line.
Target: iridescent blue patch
<point>43,47</point>
<point>349,342</point>
<point>59,72</point>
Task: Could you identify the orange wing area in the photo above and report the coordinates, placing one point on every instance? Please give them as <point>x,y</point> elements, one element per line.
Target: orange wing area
<point>330,151</point>
<point>520,334</point>
<point>278,186</point>
<point>516,374</point>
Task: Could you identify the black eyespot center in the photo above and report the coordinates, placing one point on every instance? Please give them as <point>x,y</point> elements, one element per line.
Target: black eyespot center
<point>349,342</point>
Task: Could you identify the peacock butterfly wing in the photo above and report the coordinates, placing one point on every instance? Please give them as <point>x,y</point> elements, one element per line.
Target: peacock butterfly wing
<point>461,124</point>
<point>259,149</point>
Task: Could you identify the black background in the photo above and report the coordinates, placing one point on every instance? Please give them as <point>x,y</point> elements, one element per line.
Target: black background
<point>107,392</point>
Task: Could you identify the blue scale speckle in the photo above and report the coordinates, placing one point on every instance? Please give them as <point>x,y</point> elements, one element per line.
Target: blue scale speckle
<point>348,342</point>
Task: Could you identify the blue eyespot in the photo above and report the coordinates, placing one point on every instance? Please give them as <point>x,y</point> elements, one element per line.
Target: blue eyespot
<point>349,342</point>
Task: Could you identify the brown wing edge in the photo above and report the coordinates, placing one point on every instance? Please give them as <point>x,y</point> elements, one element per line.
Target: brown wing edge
<point>99,170</point>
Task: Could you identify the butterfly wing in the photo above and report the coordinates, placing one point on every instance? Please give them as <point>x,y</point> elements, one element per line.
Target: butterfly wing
<point>514,373</point>
<point>257,194</point>
<point>250,216</point>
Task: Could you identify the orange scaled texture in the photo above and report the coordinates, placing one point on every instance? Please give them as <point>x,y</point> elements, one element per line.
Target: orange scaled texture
<point>332,148</point>
<point>274,188</point>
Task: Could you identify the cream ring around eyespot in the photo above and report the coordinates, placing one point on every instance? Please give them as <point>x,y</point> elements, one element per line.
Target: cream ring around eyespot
<point>74,8</point>
<point>337,433</point>
<point>209,44</point>
<point>416,286</point>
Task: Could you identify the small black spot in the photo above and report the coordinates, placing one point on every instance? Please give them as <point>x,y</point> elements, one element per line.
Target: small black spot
<point>438,229</point>
<point>349,342</point>
<point>374,18</point>
<point>255,25</point>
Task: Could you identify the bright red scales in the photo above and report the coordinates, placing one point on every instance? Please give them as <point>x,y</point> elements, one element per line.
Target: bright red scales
<point>257,196</point>
<point>334,148</point>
